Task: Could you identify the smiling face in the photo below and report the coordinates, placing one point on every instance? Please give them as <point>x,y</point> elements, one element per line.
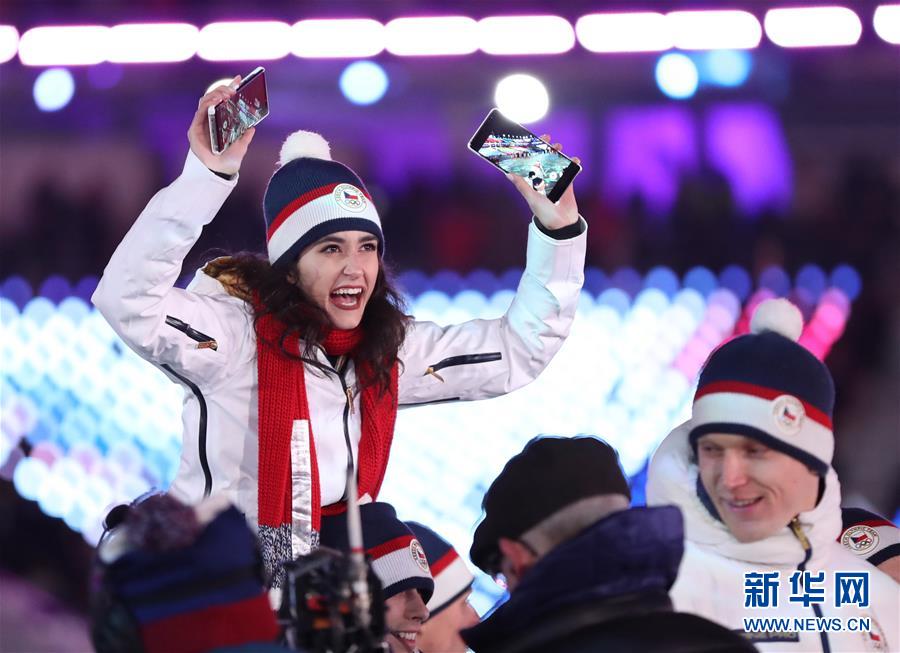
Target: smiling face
<point>440,634</point>
<point>404,616</point>
<point>756,490</point>
<point>338,273</point>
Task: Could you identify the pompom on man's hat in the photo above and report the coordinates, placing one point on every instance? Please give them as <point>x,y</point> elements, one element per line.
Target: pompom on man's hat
<point>766,386</point>
<point>310,196</point>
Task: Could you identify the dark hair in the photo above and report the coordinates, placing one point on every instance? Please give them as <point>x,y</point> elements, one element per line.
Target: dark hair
<point>270,291</point>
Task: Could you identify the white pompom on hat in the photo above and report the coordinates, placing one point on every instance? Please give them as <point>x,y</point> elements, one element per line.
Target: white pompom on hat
<point>304,144</point>
<point>778,315</point>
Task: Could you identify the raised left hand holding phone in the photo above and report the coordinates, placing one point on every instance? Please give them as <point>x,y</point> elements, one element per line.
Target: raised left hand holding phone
<point>551,215</point>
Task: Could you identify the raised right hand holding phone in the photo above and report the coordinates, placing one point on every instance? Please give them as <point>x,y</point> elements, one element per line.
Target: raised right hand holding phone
<point>552,215</point>
<point>229,162</point>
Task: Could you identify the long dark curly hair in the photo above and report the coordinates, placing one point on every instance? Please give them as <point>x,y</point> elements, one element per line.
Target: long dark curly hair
<point>269,290</point>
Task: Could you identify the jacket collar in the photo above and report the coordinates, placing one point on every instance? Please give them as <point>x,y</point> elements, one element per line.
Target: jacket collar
<point>672,479</point>
<point>598,565</point>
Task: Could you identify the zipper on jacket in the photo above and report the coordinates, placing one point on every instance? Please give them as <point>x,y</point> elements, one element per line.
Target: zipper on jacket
<point>340,368</point>
<point>201,430</point>
<point>797,530</point>
<point>464,359</point>
<point>203,340</point>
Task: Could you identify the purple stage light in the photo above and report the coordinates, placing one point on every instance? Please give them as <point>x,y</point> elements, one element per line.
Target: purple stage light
<point>484,281</point>
<point>355,38</point>
<point>812,278</point>
<point>525,35</point>
<point>413,283</point>
<point>737,280</point>
<point>663,278</point>
<point>628,279</point>
<point>887,23</point>
<point>9,42</point>
<point>428,36</point>
<point>152,42</point>
<point>17,290</point>
<point>595,281</point>
<point>104,76</point>
<point>73,45</point>
<point>745,142</point>
<point>775,279</point>
<point>55,288</point>
<point>848,280</point>
<point>647,150</point>
<point>642,31</point>
<point>714,30</point>
<point>836,297</point>
<point>244,41</point>
<point>447,281</point>
<point>701,279</point>
<point>806,27</point>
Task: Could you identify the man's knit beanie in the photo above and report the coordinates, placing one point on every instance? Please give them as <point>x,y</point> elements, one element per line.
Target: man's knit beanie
<point>452,577</point>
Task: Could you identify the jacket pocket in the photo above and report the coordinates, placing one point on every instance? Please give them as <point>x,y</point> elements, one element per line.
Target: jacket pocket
<point>464,359</point>
<point>203,340</point>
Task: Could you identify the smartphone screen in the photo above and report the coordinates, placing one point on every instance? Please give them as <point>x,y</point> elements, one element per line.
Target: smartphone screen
<point>230,119</point>
<point>512,148</point>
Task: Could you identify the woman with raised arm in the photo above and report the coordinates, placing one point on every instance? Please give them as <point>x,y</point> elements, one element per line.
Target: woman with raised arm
<point>295,362</point>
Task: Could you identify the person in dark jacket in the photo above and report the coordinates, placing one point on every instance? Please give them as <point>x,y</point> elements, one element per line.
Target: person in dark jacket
<point>585,571</point>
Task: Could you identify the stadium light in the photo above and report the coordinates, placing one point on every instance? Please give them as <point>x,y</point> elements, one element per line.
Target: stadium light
<point>807,27</point>
<point>53,89</point>
<point>363,82</point>
<point>525,35</point>
<point>429,36</point>
<point>887,23</point>
<point>624,32</point>
<point>677,76</point>
<point>75,45</point>
<point>152,42</point>
<point>9,42</point>
<point>714,30</point>
<point>338,38</point>
<point>244,41</point>
<point>522,98</point>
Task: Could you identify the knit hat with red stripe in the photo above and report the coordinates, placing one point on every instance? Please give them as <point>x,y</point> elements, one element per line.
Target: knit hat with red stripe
<point>398,558</point>
<point>310,196</point>
<point>452,577</point>
<point>766,386</point>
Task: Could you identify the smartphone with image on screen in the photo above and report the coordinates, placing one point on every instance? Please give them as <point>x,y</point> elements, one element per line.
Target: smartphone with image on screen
<point>512,148</point>
<point>229,119</point>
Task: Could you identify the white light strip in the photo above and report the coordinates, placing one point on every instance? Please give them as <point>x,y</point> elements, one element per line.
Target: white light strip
<point>75,45</point>
<point>630,32</point>
<point>887,23</point>
<point>244,41</point>
<point>714,30</point>
<point>441,35</point>
<point>812,27</point>
<point>525,35</point>
<point>351,37</point>
<point>152,42</point>
<point>9,42</point>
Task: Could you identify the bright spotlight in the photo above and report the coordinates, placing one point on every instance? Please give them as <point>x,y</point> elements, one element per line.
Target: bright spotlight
<point>53,89</point>
<point>522,98</point>
<point>676,76</point>
<point>364,82</point>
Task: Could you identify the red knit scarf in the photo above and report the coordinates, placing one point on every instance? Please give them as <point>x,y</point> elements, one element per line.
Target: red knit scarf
<point>282,399</point>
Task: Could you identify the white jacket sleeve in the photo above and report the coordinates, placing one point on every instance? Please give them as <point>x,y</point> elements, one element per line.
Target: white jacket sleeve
<point>487,358</point>
<point>167,326</point>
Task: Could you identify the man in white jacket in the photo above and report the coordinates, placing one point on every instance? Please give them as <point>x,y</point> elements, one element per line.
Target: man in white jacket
<point>751,471</point>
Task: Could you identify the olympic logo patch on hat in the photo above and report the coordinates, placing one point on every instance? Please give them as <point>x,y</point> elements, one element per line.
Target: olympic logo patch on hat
<point>350,198</point>
<point>418,554</point>
<point>860,539</point>
<point>789,414</point>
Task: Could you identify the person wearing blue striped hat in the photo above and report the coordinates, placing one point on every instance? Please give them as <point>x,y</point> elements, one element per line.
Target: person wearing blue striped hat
<point>399,561</point>
<point>449,607</point>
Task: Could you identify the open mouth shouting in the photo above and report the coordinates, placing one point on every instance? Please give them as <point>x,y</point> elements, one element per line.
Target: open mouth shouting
<point>347,298</point>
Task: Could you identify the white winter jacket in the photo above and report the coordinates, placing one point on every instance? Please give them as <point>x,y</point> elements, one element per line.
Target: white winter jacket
<point>172,328</point>
<point>710,580</point>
